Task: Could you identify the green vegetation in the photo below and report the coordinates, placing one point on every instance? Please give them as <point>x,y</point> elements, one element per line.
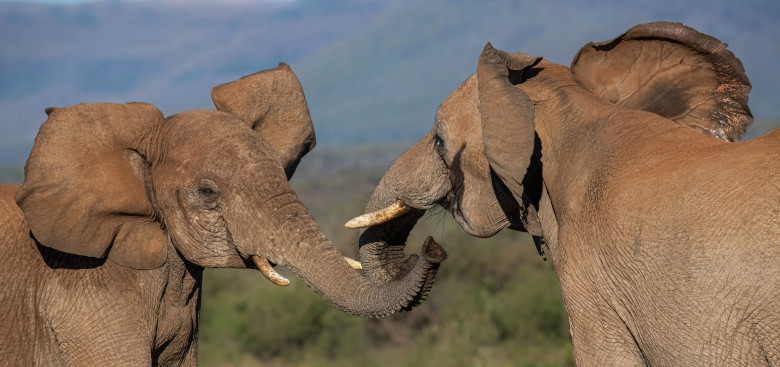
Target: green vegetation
<point>495,302</point>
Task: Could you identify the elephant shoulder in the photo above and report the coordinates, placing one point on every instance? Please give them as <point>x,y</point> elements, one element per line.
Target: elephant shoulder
<point>673,71</point>
<point>17,283</point>
<point>15,237</point>
<point>9,211</point>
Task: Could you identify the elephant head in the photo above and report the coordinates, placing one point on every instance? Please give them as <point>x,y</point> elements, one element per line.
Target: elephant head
<point>482,159</point>
<point>119,181</point>
<point>462,164</point>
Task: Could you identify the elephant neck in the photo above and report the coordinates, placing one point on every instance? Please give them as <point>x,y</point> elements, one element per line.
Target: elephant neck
<point>184,280</point>
<point>177,316</point>
<point>583,140</point>
<point>575,129</point>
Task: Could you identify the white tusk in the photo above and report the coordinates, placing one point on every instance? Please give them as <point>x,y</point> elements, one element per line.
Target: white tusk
<point>354,263</point>
<point>265,267</point>
<point>380,216</point>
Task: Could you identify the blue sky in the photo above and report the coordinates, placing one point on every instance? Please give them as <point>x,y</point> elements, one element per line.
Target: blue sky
<point>87,1</point>
<point>52,1</point>
<point>374,71</point>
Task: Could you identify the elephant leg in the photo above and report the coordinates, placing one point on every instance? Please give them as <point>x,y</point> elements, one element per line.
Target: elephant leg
<point>766,325</point>
<point>90,343</point>
<point>600,330</point>
<point>100,350</point>
<point>602,339</point>
<point>96,320</point>
<point>191,358</point>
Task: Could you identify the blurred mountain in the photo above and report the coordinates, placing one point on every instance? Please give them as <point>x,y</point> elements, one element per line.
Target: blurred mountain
<point>168,53</point>
<point>373,71</point>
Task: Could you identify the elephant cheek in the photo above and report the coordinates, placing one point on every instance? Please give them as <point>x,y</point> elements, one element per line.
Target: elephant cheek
<point>479,211</point>
<point>422,188</point>
<point>206,242</point>
<point>211,258</point>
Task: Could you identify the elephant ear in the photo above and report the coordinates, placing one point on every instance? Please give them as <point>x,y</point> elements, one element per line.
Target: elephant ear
<point>272,102</point>
<point>508,130</point>
<point>84,190</point>
<point>673,71</point>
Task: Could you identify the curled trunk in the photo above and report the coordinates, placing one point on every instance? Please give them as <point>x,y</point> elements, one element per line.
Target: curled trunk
<point>382,246</point>
<point>303,248</point>
<point>348,290</point>
<point>419,180</point>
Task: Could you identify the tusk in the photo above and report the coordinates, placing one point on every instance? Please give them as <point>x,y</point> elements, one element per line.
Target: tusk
<point>354,263</point>
<point>380,216</point>
<point>269,272</point>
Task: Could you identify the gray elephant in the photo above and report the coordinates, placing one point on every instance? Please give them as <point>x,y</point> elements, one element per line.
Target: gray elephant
<point>121,209</point>
<point>666,241</point>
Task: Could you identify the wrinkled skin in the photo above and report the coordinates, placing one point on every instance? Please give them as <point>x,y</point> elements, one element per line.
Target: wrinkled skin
<point>105,242</point>
<point>666,241</point>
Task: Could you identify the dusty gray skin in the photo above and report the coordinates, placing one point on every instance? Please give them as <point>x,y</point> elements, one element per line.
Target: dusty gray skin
<point>122,209</point>
<point>666,241</point>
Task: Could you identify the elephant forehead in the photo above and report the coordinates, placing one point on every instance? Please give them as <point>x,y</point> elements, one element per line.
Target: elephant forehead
<point>211,141</point>
<point>463,97</point>
<point>209,133</point>
<point>458,118</point>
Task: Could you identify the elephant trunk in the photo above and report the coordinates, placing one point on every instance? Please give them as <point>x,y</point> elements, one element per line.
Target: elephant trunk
<point>416,181</point>
<point>300,244</point>
<point>382,245</point>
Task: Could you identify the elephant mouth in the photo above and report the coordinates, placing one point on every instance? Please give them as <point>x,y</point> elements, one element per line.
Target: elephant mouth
<point>504,215</point>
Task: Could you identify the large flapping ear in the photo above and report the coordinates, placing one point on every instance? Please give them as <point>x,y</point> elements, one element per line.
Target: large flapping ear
<point>272,101</point>
<point>84,190</point>
<point>673,71</point>
<point>508,123</point>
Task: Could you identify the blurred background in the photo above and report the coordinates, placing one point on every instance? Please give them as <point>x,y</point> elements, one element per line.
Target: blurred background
<point>373,73</point>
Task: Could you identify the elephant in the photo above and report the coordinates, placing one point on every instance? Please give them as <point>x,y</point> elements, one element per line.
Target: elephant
<point>121,209</point>
<point>663,231</point>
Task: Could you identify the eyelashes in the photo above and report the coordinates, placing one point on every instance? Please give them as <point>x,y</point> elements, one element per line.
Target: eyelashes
<point>437,141</point>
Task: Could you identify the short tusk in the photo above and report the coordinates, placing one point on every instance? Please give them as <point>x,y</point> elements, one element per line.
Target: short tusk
<point>380,216</point>
<point>265,267</point>
<point>354,263</point>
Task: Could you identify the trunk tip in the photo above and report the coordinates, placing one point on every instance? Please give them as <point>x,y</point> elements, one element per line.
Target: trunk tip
<point>432,251</point>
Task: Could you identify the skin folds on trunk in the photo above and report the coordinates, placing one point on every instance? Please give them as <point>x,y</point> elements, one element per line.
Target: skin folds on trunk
<point>351,292</point>
<point>382,246</point>
<point>313,258</point>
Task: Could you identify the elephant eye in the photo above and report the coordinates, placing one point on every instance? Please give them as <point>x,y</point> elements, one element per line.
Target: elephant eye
<point>438,142</point>
<point>208,192</point>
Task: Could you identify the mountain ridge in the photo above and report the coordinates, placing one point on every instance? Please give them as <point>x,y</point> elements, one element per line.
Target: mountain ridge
<point>373,71</point>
